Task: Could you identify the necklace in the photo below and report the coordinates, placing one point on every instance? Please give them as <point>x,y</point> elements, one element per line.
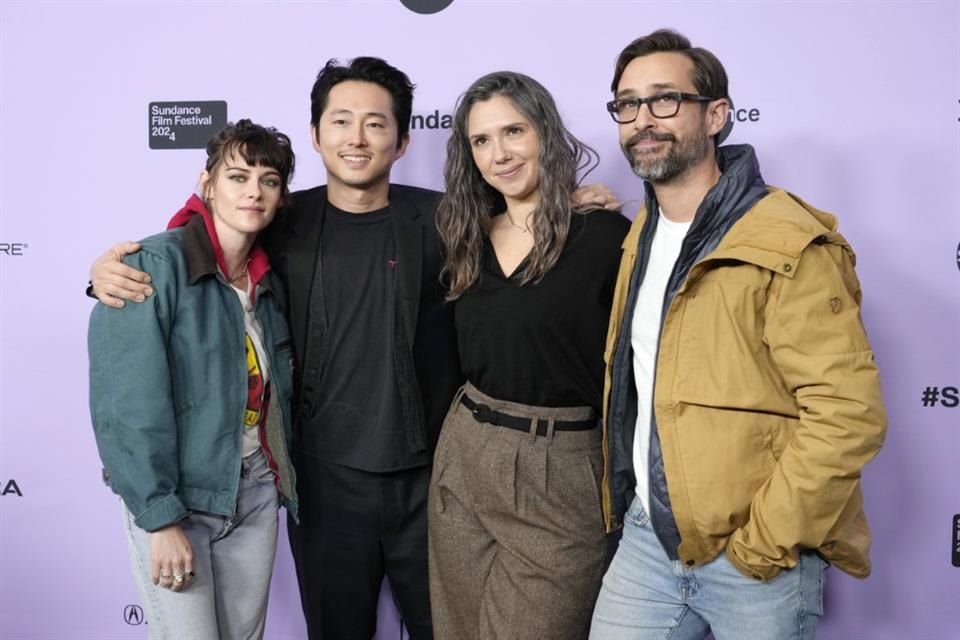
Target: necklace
<point>522,229</point>
<point>242,273</point>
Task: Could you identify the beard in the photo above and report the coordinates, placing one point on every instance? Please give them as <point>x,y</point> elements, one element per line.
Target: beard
<point>660,168</point>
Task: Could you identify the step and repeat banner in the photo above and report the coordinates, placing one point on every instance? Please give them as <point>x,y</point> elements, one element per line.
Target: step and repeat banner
<point>854,106</point>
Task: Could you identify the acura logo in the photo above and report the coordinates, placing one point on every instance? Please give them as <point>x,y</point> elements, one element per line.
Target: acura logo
<point>133,614</point>
<point>426,6</point>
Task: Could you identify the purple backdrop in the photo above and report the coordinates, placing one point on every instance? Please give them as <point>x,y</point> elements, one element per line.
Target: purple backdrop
<point>855,109</point>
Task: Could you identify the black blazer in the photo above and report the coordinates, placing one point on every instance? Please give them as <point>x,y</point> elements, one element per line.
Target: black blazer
<point>426,361</point>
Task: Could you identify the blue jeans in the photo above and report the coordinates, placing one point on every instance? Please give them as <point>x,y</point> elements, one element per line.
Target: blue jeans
<point>646,595</point>
<point>233,560</point>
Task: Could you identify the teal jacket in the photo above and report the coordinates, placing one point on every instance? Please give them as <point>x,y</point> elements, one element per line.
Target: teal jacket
<point>168,384</point>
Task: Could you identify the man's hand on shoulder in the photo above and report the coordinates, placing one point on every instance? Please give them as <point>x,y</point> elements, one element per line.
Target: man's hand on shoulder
<point>112,282</point>
<point>596,195</point>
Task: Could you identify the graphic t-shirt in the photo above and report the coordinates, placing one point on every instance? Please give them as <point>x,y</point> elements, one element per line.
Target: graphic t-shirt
<point>258,379</point>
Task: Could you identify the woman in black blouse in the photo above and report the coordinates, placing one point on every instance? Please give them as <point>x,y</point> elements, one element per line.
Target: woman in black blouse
<point>517,541</point>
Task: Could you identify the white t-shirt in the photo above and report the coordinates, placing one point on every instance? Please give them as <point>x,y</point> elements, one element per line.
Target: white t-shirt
<point>258,375</point>
<point>645,339</point>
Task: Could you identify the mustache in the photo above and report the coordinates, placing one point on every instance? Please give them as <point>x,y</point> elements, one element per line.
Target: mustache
<point>648,135</point>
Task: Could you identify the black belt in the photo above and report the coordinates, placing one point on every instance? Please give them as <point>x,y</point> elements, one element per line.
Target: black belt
<point>483,413</point>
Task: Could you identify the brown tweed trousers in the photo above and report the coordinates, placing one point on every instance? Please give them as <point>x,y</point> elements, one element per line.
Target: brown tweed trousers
<point>516,535</point>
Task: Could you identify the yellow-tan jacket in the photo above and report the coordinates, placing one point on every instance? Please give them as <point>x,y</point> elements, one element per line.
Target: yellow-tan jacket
<point>767,398</point>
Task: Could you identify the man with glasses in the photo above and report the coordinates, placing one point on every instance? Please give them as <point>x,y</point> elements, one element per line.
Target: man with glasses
<point>741,399</point>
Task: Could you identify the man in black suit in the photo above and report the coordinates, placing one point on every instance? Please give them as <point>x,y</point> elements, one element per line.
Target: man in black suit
<point>376,355</point>
<point>376,362</point>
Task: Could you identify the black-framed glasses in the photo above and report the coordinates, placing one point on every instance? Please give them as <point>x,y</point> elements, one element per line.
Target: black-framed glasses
<point>661,105</point>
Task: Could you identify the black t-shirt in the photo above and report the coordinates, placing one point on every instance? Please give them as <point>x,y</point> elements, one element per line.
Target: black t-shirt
<point>359,421</point>
<point>542,343</point>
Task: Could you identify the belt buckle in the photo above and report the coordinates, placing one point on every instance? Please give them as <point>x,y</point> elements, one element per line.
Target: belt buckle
<point>482,413</point>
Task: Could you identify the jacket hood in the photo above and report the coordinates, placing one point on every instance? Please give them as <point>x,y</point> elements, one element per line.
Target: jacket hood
<point>777,230</point>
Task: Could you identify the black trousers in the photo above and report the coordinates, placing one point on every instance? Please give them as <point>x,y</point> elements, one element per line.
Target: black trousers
<point>355,527</point>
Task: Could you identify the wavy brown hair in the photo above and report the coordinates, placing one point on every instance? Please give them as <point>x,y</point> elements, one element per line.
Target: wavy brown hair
<point>469,204</point>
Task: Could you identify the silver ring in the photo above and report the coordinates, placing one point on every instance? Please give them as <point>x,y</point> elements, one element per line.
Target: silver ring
<point>165,576</point>
<point>178,578</point>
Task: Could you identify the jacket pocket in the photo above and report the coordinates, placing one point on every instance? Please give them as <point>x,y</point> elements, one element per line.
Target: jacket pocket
<point>714,337</point>
<point>189,386</point>
<point>726,456</point>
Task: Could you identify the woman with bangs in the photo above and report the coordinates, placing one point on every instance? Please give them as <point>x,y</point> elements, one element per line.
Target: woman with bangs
<point>190,399</point>
<point>517,541</point>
